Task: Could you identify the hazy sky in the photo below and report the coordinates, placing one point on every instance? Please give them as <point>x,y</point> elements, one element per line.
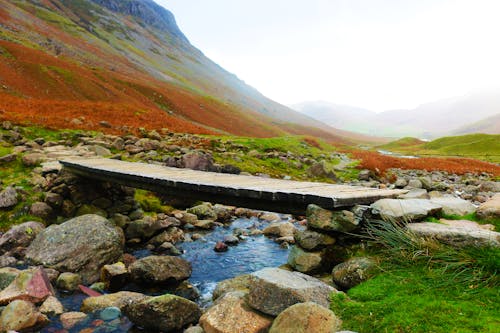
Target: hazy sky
<point>377,54</point>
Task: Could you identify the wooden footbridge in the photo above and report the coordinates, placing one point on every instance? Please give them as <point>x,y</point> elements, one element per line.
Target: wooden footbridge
<point>245,191</point>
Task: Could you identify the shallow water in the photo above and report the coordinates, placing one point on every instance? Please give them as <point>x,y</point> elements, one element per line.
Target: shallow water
<point>209,267</point>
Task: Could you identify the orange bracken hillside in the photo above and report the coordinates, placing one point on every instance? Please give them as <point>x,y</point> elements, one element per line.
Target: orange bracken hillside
<point>381,163</point>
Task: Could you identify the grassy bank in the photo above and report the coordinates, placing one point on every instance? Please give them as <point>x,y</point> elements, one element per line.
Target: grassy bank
<point>485,147</point>
<point>423,286</point>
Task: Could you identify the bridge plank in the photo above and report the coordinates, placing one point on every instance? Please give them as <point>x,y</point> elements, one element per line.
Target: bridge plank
<point>254,192</point>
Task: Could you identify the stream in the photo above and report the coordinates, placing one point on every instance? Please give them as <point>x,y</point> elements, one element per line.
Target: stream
<point>209,267</point>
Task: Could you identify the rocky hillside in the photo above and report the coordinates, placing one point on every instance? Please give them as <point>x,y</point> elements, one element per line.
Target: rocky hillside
<point>473,113</point>
<point>120,65</point>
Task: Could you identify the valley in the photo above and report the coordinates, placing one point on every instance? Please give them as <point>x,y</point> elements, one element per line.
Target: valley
<point>114,82</point>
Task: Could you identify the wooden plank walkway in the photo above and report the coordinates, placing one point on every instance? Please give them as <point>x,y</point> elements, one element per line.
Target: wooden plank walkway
<point>276,195</point>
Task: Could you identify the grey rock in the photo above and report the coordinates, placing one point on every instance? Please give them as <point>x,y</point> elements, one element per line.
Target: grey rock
<point>454,206</point>
<point>119,300</point>
<point>455,235</point>
<point>41,209</point>
<point>312,241</point>
<point>160,270</point>
<point>327,220</point>
<point>305,262</point>
<point>272,290</point>
<point>20,236</point>
<point>306,317</point>
<point>167,313</point>
<point>405,210</point>
<point>490,209</point>
<point>81,245</point>
<point>8,198</point>
<point>354,271</point>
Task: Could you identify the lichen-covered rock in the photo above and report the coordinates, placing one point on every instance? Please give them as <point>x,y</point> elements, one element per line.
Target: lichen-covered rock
<point>312,241</point>
<point>354,271</point>
<point>303,261</point>
<point>68,281</point>
<point>306,318</point>
<point>166,313</point>
<point>146,227</point>
<point>327,220</point>
<point>20,236</point>
<point>8,197</point>
<point>81,245</point>
<point>70,319</point>
<point>272,290</point>
<point>281,229</point>
<point>160,270</point>
<point>490,209</point>
<point>239,283</point>
<point>231,314</point>
<point>7,275</point>
<point>30,285</point>
<point>51,307</point>
<point>20,315</point>
<point>119,300</point>
<point>114,276</point>
<point>204,211</point>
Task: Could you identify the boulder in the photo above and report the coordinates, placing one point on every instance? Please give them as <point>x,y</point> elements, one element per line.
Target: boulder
<point>197,161</point>
<point>269,217</point>
<point>203,211</point>
<point>418,193</point>
<point>304,261</point>
<point>7,275</point>
<point>41,210</point>
<point>327,220</point>
<point>454,206</point>
<point>239,283</point>
<point>114,276</point>
<point>20,236</point>
<point>30,285</point>
<point>51,307</point>
<point>171,235</point>
<point>306,318</point>
<point>21,315</point>
<point>160,270</point>
<point>70,319</point>
<point>457,236</point>
<point>490,209</point>
<point>321,169</point>
<point>281,229</point>
<point>272,290</point>
<point>354,271</point>
<point>312,241</point>
<point>118,300</point>
<point>33,159</point>
<point>405,210</point>
<point>166,313</point>
<point>231,314</point>
<point>146,227</point>
<point>8,197</point>
<point>68,281</point>
<point>81,245</point>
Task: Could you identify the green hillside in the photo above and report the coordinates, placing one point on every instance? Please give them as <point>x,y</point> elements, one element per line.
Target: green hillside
<point>480,146</point>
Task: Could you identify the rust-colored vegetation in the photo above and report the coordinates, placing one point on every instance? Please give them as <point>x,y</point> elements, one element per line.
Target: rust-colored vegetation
<point>381,163</point>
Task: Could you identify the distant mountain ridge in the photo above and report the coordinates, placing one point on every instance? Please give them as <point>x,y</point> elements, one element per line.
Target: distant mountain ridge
<point>459,115</point>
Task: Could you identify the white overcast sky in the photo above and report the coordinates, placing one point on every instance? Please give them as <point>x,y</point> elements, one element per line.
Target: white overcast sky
<point>376,54</point>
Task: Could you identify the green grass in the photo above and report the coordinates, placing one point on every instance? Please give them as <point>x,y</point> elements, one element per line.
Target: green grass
<point>480,146</point>
<point>424,287</point>
<point>410,300</point>
<point>469,217</point>
<point>315,150</point>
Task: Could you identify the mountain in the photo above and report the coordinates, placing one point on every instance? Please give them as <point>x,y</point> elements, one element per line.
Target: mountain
<point>475,112</point>
<point>126,64</point>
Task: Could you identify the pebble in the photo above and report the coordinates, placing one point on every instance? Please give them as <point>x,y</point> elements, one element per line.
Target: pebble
<point>110,313</point>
